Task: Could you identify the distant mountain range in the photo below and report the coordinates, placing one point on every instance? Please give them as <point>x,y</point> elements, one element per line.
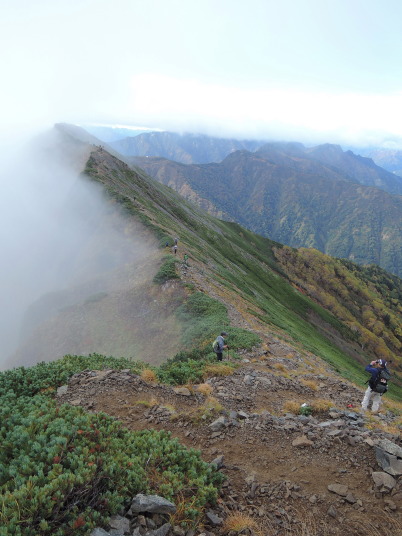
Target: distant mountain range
<point>202,149</point>
<point>186,148</point>
<point>322,197</point>
<point>389,159</point>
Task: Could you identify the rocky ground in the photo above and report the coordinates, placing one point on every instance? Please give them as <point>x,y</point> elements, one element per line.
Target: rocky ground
<point>291,473</point>
<point>333,473</point>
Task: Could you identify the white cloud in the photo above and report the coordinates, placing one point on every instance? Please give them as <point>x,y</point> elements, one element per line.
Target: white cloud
<point>324,116</point>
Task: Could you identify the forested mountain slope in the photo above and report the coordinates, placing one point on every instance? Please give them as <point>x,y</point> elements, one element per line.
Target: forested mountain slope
<point>297,201</point>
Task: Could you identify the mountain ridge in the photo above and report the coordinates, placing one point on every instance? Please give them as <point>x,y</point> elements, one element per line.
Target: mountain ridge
<point>294,201</point>
<point>279,418</point>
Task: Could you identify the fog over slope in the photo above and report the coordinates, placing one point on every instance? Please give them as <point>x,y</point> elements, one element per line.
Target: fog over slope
<point>62,242</point>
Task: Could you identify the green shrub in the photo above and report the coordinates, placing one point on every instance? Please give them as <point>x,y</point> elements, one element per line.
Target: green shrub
<point>204,318</point>
<point>48,376</point>
<point>63,471</point>
<point>167,270</point>
<point>182,372</point>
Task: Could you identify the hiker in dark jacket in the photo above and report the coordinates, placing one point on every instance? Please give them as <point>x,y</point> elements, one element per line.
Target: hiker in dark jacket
<point>221,345</point>
<point>374,368</point>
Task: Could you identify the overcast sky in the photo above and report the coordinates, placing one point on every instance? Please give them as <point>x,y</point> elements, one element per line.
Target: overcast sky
<point>318,70</point>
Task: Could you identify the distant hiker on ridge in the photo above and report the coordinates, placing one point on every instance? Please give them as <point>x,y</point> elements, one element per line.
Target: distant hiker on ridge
<point>219,345</point>
<point>175,241</point>
<point>175,249</point>
<point>377,384</point>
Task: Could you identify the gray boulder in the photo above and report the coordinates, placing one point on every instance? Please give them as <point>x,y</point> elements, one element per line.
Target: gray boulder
<point>218,424</point>
<point>152,504</point>
<point>161,531</point>
<point>389,463</point>
<point>119,524</point>
<point>383,481</point>
<point>391,448</point>
<point>62,390</point>
<point>338,489</point>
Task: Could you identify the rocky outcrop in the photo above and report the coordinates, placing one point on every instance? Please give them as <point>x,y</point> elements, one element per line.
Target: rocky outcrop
<point>329,464</point>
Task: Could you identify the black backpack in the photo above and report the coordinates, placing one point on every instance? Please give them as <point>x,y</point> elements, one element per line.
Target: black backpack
<point>380,384</point>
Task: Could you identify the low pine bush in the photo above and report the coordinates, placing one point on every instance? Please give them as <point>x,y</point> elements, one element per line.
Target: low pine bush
<point>63,471</point>
<point>204,318</point>
<point>167,270</point>
<point>45,377</point>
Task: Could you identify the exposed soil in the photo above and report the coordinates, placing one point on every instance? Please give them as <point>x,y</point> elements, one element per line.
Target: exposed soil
<point>281,485</point>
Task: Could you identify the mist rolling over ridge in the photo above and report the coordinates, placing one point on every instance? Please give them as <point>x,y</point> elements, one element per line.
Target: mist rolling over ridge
<point>63,244</point>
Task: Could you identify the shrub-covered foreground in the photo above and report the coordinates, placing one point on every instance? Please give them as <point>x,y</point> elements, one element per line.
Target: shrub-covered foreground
<point>64,471</point>
<point>48,376</point>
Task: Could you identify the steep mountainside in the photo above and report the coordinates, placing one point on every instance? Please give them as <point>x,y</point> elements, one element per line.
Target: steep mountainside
<point>121,310</point>
<point>356,167</point>
<point>197,149</point>
<point>184,148</point>
<point>295,200</point>
<point>389,159</point>
<point>280,417</point>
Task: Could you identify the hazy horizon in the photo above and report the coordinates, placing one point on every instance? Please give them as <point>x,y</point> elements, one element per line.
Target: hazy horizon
<point>314,72</point>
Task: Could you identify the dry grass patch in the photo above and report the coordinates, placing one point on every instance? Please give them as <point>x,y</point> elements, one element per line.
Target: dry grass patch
<point>170,408</point>
<point>311,384</point>
<point>389,527</point>
<point>147,403</point>
<point>393,405</point>
<point>290,406</point>
<point>207,411</point>
<point>265,347</point>
<point>375,423</point>
<point>321,405</point>
<point>149,376</point>
<point>279,366</point>
<point>205,389</point>
<point>306,525</point>
<point>217,370</point>
<point>238,522</point>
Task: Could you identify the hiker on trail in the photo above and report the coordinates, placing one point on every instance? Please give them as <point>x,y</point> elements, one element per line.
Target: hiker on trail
<point>175,249</point>
<point>219,345</point>
<point>175,241</point>
<point>185,259</point>
<point>377,384</point>
<point>167,245</point>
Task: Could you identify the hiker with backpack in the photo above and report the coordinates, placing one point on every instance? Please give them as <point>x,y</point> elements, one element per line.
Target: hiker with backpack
<point>377,384</point>
<point>219,345</point>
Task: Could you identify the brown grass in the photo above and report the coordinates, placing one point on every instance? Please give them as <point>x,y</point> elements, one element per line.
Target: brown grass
<point>210,409</point>
<point>321,405</point>
<point>149,376</point>
<point>217,370</point>
<point>205,389</point>
<point>182,503</point>
<point>280,366</point>
<point>311,384</point>
<point>306,526</point>
<point>290,406</point>
<point>237,522</point>
<point>147,403</point>
<point>389,527</point>
<point>393,405</point>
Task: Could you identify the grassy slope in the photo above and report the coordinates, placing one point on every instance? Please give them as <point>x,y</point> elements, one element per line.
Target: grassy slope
<point>235,259</point>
